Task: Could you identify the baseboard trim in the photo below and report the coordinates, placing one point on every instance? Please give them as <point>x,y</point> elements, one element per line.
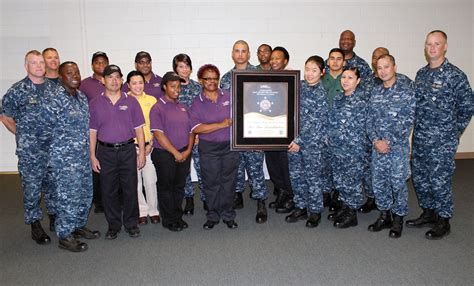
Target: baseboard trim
<point>464,155</point>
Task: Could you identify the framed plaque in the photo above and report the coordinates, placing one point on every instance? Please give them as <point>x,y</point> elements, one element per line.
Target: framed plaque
<point>265,109</point>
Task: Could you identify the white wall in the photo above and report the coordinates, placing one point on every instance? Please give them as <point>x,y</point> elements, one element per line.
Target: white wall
<point>207,30</point>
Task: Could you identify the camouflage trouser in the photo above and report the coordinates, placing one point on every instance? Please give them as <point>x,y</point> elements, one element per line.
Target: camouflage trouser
<point>252,162</point>
<point>432,173</point>
<point>73,185</point>
<point>36,178</point>
<point>307,180</point>
<point>189,187</point>
<point>327,175</point>
<point>389,174</point>
<point>348,172</point>
<point>367,177</point>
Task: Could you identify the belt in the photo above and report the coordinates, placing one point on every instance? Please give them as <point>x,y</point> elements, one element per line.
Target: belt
<point>116,145</point>
<point>146,144</point>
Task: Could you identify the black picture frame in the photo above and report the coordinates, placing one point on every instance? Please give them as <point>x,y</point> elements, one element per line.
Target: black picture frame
<point>265,109</point>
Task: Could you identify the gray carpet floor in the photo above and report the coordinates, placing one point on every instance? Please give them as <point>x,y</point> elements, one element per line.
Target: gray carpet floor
<point>274,253</point>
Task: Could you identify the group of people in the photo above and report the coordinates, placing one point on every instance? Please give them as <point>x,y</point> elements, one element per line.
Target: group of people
<point>127,147</point>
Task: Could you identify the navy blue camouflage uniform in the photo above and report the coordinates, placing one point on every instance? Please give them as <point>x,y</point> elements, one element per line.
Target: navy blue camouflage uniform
<point>445,106</point>
<point>368,85</point>
<point>347,142</point>
<point>306,165</point>
<point>250,161</point>
<point>69,161</point>
<point>188,93</point>
<point>29,105</point>
<point>390,118</point>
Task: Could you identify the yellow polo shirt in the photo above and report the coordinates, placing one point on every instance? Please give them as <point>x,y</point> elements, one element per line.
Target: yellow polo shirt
<point>146,103</point>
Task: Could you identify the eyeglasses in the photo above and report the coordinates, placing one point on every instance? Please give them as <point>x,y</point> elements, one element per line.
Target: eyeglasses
<point>210,78</point>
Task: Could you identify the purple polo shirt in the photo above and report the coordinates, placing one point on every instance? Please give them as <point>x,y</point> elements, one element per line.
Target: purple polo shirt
<point>115,123</point>
<point>204,111</point>
<point>152,87</point>
<point>91,87</point>
<point>172,119</point>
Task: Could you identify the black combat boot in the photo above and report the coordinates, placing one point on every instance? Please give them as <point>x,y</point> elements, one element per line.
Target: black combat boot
<point>238,201</point>
<point>347,219</point>
<point>334,205</point>
<point>384,221</point>
<point>296,215</point>
<point>38,234</point>
<point>261,212</point>
<point>313,220</point>
<point>427,218</point>
<point>440,229</point>
<point>368,206</point>
<point>338,213</point>
<point>277,192</point>
<point>189,206</point>
<point>397,227</point>
<point>72,244</point>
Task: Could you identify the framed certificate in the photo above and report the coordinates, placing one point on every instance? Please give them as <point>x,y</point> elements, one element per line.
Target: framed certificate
<point>265,109</point>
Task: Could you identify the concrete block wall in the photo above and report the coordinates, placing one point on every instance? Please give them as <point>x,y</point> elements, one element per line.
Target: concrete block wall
<point>207,30</point>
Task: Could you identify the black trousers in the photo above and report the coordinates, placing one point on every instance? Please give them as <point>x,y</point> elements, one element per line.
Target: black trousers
<point>277,166</point>
<point>119,171</point>
<point>219,175</point>
<point>97,196</point>
<point>171,179</point>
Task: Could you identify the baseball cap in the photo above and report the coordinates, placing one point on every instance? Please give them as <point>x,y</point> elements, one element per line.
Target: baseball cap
<point>170,76</point>
<point>110,69</point>
<point>99,54</point>
<point>141,55</point>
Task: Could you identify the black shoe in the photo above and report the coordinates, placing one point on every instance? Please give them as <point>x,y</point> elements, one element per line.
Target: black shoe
<point>427,218</point>
<point>84,232</point>
<point>231,224</point>
<point>210,224</point>
<point>183,224</point>
<point>334,204</point>
<point>440,229</point>
<point>38,234</point>
<point>98,209</point>
<point>111,234</point>
<point>368,206</point>
<point>397,227</point>
<point>337,214</point>
<point>296,215</point>
<point>204,206</point>
<point>175,226</point>
<point>72,244</point>
<point>326,199</point>
<point>133,231</point>
<point>238,201</point>
<point>348,219</point>
<point>286,206</point>
<point>278,199</point>
<point>189,206</point>
<point>52,220</point>
<point>313,220</point>
<point>261,212</point>
<point>384,221</point>
<point>276,191</point>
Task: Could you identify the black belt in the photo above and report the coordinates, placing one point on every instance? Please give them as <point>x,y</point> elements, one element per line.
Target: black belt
<point>116,145</point>
<point>146,144</point>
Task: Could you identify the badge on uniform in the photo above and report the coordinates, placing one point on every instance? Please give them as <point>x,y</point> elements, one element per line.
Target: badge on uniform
<point>225,103</point>
<point>156,85</point>
<point>32,100</point>
<point>123,107</point>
